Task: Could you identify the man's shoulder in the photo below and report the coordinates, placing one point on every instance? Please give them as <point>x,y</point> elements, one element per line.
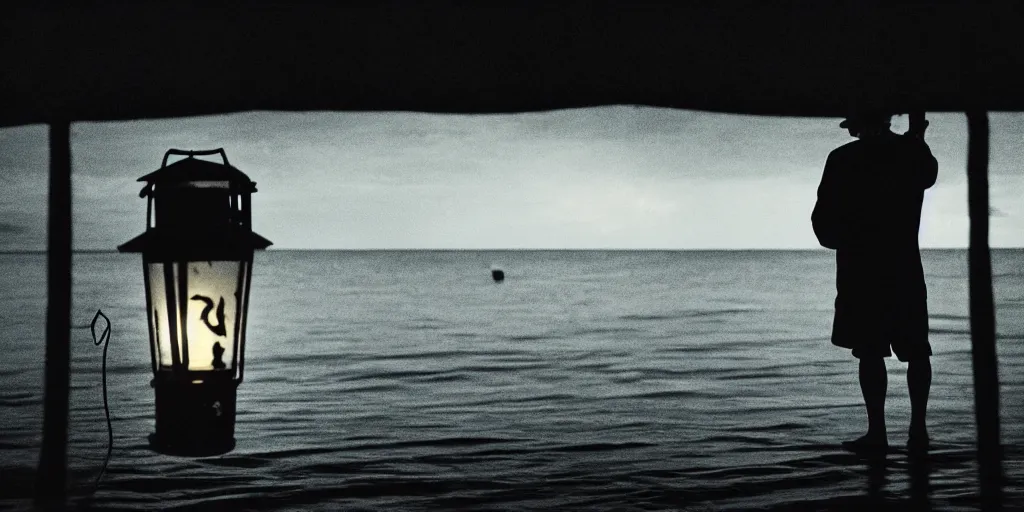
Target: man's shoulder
<point>846,149</point>
<point>895,142</point>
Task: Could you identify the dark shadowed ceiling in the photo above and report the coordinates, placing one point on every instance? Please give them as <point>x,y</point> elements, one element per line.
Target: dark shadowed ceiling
<point>103,60</point>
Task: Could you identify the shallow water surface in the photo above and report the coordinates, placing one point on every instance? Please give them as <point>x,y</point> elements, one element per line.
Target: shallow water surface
<point>405,380</point>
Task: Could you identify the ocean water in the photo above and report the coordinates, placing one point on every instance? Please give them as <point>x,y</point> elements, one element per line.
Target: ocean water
<point>587,380</point>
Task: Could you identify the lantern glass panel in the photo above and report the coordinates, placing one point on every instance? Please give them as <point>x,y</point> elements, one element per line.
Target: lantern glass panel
<point>196,318</point>
<point>159,324</point>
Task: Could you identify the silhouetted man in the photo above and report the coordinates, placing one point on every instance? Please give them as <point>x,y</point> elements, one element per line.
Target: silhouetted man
<point>218,357</point>
<point>869,211</point>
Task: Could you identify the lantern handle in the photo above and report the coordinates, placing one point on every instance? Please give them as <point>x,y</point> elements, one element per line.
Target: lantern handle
<point>192,153</point>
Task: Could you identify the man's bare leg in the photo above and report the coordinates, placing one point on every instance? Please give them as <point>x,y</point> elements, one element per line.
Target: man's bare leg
<point>919,382</point>
<point>873,384</point>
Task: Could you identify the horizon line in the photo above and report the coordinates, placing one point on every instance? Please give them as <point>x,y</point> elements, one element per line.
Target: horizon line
<point>408,249</point>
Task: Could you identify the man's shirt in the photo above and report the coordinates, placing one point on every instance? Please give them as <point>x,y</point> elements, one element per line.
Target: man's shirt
<point>869,210</point>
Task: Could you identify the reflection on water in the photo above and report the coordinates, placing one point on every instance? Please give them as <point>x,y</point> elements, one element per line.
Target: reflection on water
<point>624,380</point>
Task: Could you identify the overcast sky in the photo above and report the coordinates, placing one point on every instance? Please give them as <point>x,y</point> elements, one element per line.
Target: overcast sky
<point>613,177</point>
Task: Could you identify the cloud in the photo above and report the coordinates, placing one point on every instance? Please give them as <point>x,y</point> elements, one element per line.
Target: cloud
<point>7,227</point>
<point>614,176</point>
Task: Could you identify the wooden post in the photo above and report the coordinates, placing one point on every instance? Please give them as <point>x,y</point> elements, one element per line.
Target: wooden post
<point>51,480</point>
<point>982,309</point>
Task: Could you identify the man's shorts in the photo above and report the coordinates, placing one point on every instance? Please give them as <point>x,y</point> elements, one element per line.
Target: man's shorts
<point>879,328</point>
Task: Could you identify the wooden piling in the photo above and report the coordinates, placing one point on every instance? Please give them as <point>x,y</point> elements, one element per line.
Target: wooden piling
<point>982,312</point>
<point>51,480</point>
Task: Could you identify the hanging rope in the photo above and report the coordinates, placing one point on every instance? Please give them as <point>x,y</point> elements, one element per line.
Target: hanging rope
<point>104,339</point>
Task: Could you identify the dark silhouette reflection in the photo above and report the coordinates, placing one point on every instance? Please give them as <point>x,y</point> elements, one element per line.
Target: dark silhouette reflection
<point>920,469</point>
<point>877,478</point>
<point>869,211</point>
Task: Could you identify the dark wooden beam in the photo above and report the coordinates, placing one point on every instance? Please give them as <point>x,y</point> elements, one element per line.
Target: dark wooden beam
<point>130,60</point>
<point>51,480</point>
<point>982,311</point>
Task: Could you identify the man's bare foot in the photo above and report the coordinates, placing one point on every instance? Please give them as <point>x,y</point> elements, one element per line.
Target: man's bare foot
<point>868,443</point>
<point>918,442</point>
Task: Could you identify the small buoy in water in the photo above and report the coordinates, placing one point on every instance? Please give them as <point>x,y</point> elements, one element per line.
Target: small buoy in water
<point>498,274</point>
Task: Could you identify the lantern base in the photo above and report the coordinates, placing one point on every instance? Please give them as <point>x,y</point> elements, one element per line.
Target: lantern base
<point>209,449</point>
<point>194,417</point>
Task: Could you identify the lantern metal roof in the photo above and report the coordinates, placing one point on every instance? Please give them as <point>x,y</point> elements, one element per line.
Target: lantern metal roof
<point>154,239</point>
<point>208,241</point>
<point>196,169</point>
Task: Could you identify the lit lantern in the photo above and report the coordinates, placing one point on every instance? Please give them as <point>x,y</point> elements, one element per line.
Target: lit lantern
<point>197,255</point>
